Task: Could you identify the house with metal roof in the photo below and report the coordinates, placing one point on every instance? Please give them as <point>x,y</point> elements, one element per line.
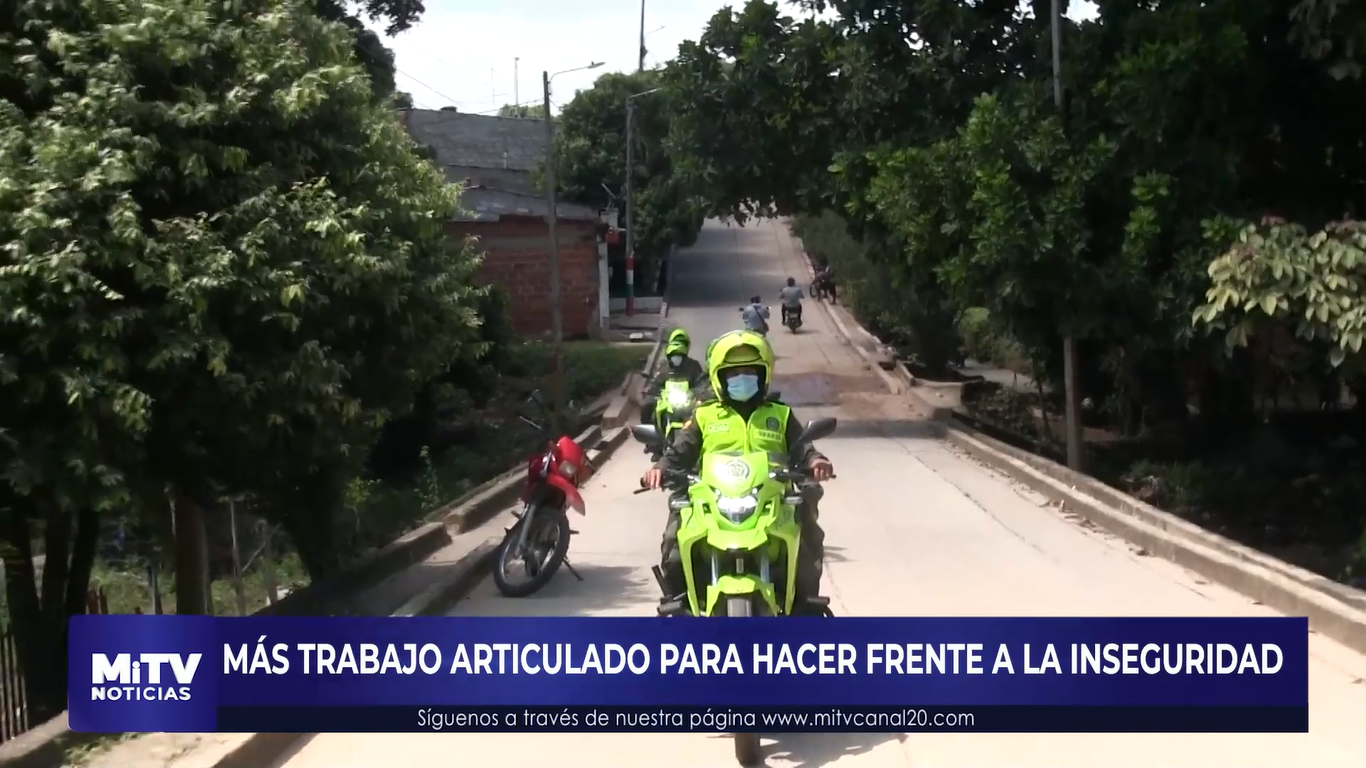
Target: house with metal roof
<point>493,159</point>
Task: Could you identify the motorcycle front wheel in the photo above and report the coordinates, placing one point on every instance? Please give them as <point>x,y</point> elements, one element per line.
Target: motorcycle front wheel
<point>547,544</point>
<point>747,749</point>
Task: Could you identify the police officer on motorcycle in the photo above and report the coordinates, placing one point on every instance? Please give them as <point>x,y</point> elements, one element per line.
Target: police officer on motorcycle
<point>677,366</point>
<point>744,419</point>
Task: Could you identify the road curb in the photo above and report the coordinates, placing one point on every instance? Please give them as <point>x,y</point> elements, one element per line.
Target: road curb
<point>888,380</point>
<point>842,330</point>
<point>410,548</point>
<point>466,573</point>
<point>472,568</point>
<point>268,748</point>
<point>1272,582</point>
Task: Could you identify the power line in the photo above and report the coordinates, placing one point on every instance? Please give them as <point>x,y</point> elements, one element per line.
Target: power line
<point>535,103</point>
<point>424,85</point>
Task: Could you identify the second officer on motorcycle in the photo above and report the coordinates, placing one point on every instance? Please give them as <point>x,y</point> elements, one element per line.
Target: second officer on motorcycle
<point>677,366</point>
<point>743,419</point>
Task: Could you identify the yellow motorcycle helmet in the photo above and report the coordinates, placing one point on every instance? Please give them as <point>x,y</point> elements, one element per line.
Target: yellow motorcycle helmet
<point>679,343</point>
<point>739,349</point>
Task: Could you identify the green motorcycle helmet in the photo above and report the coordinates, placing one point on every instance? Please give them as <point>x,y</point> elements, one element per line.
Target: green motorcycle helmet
<point>679,343</point>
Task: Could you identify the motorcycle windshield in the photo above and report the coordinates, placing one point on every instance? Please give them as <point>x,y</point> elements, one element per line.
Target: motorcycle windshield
<point>735,475</point>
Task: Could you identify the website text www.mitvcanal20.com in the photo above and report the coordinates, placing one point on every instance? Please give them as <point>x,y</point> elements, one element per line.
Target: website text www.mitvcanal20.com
<point>665,719</point>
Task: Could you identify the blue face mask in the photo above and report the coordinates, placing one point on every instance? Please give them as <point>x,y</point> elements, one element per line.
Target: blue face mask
<point>676,360</point>
<point>743,387</point>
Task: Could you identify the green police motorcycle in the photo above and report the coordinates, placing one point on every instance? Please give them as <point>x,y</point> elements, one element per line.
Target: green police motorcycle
<point>738,536</point>
<point>673,408</point>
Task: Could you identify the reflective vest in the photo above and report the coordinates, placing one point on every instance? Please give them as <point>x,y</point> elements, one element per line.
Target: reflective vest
<point>725,432</point>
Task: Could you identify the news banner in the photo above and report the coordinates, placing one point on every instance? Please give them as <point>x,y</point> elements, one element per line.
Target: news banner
<point>545,675</point>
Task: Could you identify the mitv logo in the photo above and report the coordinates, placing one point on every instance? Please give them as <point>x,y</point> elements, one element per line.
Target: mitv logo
<point>124,679</point>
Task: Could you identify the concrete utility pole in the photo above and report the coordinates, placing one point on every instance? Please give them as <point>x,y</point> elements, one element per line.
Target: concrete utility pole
<point>630,205</point>
<point>552,218</point>
<point>630,210</point>
<point>641,66</point>
<point>1076,445</point>
<point>516,86</point>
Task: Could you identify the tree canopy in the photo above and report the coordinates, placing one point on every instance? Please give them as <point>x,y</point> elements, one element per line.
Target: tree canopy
<point>591,152</point>
<point>225,269</point>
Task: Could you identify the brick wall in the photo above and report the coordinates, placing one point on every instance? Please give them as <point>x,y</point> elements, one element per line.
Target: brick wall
<point>517,257</point>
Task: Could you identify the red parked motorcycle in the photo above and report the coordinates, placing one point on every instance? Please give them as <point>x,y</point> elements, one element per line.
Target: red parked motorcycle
<point>540,537</point>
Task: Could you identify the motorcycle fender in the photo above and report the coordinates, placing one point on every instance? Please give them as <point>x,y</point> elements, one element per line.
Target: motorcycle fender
<point>571,494</point>
<point>734,586</point>
<point>746,540</point>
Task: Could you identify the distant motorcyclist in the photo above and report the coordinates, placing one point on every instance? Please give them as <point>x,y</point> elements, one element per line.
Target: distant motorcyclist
<point>744,419</point>
<point>825,279</point>
<point>677,366</point>
<point>755,316</point>
<point>791,297</point>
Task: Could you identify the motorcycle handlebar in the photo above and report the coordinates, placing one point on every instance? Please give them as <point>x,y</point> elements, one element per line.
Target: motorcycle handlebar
<point>672,477</point>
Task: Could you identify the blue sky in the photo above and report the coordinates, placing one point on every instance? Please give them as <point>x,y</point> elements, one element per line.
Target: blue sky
<point>464,54</point>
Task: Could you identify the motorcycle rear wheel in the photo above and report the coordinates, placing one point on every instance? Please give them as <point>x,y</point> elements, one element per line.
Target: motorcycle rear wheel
<point>541,519</point>
<point>747,750</point>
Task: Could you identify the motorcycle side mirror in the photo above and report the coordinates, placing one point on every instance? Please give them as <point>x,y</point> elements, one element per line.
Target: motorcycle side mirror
<point>819,428</point>
<point>775,394</point>
<point>645,434</point>
<point>535,397</point>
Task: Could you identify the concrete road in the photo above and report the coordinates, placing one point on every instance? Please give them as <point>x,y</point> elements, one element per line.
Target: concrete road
<point>913,528</point>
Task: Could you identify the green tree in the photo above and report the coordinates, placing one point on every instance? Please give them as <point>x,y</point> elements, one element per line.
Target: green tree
<point>227,269</point>
<point>752,124</point>
<point>591,144</point>
<point>377,59</point>
<point>526,111</point>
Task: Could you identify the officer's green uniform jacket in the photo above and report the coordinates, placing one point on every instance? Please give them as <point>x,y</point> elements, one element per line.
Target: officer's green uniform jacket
<point>718,428</point>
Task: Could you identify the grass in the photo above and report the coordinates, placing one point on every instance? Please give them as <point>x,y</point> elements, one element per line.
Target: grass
<point>86,751</point>
<point>496,440</point>
<point>127,588</point>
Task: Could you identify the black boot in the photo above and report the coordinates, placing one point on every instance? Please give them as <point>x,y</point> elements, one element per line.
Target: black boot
<point>669,572</point>
<point>811,558</point>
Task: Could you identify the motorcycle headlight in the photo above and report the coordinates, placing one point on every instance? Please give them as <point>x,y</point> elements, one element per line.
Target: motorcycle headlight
<point>678,399</point>
<point>737,508</point>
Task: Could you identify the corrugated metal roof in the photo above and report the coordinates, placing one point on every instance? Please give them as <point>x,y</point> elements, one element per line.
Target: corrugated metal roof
<point>480,141</point>
<point>494,157</point>
<point>493,204</point>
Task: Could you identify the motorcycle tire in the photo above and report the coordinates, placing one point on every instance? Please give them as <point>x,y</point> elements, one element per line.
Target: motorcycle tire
<point>543,516</point>
<point>747,748</point>
<point>813,292</point>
